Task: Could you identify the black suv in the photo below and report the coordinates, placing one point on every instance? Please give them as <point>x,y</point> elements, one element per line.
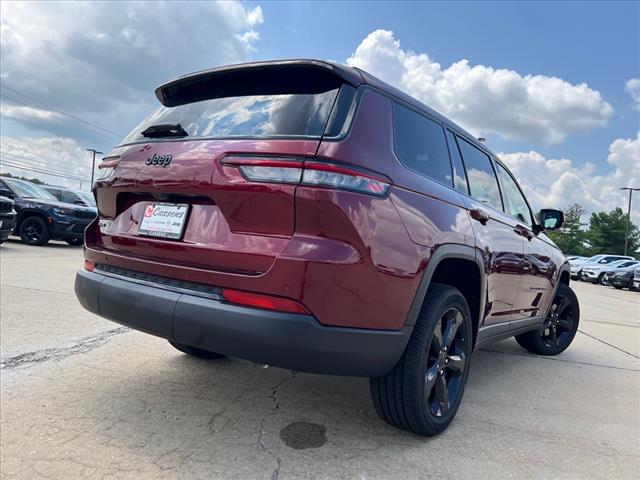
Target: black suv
<point>7,214</point>
<point>67,195</point>
<point>41,217</point>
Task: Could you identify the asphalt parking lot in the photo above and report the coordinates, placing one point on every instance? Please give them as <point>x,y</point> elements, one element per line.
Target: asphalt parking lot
<point>84,398</point>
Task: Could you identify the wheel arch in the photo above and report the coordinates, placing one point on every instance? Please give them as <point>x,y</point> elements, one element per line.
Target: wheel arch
<point>28,212</point>
<point>457,266</point>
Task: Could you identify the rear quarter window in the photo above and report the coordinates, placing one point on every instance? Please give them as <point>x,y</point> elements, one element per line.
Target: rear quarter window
<point>420,144</point>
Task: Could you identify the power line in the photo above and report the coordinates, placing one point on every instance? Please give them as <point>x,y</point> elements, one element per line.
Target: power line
<point>19,166</point>
<point>36,169</point>
<point>19,158</point>
<point>68,177</point>
<point>58,110</point>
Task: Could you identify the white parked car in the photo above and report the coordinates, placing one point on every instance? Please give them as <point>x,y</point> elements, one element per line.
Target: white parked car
<point>578,265</point>
<point>595,273</point>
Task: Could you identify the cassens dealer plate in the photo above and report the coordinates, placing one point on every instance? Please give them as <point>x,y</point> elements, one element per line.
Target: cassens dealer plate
<point>163,220</point>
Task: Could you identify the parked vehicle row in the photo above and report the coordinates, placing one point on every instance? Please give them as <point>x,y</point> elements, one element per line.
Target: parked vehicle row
<point>40,216</point>
<point>615,270</point>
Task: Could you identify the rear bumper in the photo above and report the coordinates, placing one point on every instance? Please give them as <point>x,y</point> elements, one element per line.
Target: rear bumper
<point>292,341</point>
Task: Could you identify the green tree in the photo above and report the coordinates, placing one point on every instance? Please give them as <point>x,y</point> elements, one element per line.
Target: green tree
<point>607,230</point>
<point>571,237</point>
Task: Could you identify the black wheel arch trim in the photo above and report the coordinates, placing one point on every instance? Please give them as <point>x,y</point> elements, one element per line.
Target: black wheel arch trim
<point>25,213</point>
<point>441,253</point>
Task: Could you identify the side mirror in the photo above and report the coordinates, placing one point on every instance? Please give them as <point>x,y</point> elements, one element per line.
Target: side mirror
<point>551,219</point>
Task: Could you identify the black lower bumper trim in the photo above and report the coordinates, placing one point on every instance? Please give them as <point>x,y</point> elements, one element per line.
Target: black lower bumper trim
<point>286,340</point>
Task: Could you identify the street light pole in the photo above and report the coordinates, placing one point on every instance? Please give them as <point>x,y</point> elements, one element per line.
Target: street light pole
<point>93,163</point>
<point>626,234</point>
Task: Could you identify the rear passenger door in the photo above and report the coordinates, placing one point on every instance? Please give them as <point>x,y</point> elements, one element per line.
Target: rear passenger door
<point>538,267</point>
<point>497,238</point>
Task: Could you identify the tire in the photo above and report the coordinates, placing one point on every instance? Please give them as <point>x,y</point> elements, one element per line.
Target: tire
<point>618,287</point>
<point>600,279</point>
<point>34,231</point>
<point>196,352</point>
<point>422,393</point>
<point>75,242</point>
<point>559,328</point>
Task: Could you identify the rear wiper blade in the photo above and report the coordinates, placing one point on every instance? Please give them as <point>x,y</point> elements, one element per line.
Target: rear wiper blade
<point>165,130</point>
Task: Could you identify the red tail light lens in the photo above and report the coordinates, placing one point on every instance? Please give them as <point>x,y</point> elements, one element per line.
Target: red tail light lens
<point>89,265</point>
<point>338,176</point>
<point>313,173</point>
<point>267,302</point>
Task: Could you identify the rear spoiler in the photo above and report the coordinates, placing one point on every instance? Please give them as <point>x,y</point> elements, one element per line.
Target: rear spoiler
<point>258,78</point>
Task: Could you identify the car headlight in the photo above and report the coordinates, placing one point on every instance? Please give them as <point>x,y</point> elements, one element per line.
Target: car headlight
<point>63,211</point>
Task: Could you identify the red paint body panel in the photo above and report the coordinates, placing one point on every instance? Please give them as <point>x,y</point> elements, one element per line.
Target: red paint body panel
<point>352,260</point>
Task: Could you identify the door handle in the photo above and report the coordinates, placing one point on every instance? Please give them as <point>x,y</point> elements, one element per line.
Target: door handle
<point>480,215</point>
<point>520,230</point>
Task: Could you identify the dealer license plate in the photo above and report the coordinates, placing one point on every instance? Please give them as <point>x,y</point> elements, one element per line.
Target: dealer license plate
<point>163,220</point>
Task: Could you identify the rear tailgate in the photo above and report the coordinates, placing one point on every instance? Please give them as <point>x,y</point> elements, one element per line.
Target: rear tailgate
<point>276,111</point>
<point>233,225</point>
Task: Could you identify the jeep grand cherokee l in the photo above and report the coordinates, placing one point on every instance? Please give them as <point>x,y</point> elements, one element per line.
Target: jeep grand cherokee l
<point>306,215</point>
<point>41,217</point>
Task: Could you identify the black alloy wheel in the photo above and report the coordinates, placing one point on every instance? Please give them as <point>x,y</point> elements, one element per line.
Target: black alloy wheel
<point>446,363</point>
<point>34,231</point>
<point>423,391</point>
<point>559,328</point>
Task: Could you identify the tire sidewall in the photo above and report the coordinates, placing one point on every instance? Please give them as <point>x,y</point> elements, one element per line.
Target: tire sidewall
<point>537,344</point>
<point>45,231</point>
<point>452,298</point>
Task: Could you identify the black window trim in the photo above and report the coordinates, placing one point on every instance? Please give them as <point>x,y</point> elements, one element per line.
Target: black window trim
<point>432,119</point>
<point>464,167</point>
<point>526,200</point>
<point>495,174</point>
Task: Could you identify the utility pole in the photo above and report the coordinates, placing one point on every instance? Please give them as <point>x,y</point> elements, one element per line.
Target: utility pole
<point>626,235</point>
<point>93,163</point>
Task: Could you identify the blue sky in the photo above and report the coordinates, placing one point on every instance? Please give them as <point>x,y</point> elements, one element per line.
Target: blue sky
<point>596,43</point>
<point>550,84</point>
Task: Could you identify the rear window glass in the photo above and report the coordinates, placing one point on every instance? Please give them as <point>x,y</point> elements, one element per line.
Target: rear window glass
<point>277,115</point>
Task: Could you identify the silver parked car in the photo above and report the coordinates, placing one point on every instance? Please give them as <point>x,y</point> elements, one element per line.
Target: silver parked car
<point>596,273</point>
<point>578,265</point>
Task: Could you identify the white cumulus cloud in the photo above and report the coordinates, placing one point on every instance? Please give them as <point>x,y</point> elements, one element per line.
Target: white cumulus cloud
<point>632,87</point>
<point>534,108</point>
<point>101,61</point>
<point>558,183</point>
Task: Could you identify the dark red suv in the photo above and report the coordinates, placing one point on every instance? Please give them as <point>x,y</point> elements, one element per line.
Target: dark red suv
<point>306,215</point>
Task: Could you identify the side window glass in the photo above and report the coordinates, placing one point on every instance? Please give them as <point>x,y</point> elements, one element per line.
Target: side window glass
<point>67,197</point>
<point>420,144</point>
<point>483,185</point>
<point>459,176</point>
<point>514,202</point>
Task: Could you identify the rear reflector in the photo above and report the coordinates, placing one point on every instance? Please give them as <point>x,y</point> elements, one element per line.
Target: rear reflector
<point>312,173</point>
<point>262,301</point>
<point>89,265</point>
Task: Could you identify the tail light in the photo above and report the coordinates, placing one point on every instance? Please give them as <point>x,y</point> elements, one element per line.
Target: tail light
<point>267,302</point>
<point>89,265</point>
<point>107,167</point>
<point>310,172</point>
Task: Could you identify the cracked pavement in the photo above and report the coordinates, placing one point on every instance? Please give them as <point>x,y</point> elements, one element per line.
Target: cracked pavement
<point>82,397</point>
